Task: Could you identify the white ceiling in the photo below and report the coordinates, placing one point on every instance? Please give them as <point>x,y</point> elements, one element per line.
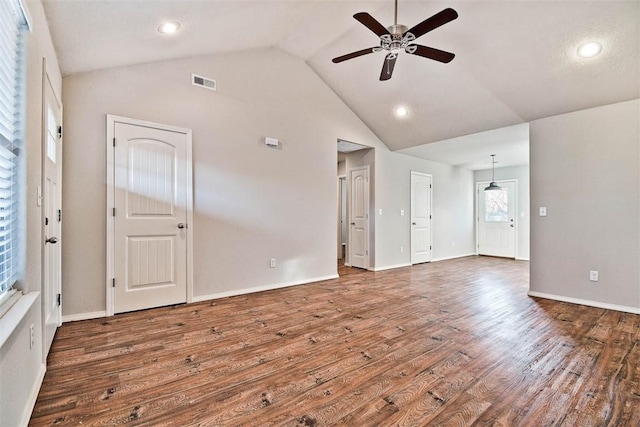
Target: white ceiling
<point>515,60</point>
<point>509,144</point>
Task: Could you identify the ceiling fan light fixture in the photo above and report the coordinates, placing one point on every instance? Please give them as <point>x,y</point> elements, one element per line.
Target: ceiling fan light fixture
<point>169,27</point>
<point>589,49</point>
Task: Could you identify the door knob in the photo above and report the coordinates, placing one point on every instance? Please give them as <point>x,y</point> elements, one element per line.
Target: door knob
<point>511,225</point>
<point>353,223</point>
<point>413,223</point>
<point>181,226</point>
<point>51,240</point>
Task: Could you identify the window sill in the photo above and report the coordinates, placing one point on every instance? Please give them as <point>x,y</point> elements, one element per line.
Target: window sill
<point>12,318</point>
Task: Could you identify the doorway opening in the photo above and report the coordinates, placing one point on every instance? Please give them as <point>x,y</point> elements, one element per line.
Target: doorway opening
<point>354,234</point>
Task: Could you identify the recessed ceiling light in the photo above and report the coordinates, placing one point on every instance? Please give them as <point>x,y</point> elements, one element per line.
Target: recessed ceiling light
<point>169,27</point>
<point>402,111</point>
<point>589,49</point>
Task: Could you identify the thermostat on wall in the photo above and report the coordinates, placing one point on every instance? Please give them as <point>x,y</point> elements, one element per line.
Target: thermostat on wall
<point>271,142</point>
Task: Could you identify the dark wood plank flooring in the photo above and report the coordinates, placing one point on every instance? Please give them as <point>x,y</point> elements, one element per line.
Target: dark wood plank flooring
<point>448,343</point>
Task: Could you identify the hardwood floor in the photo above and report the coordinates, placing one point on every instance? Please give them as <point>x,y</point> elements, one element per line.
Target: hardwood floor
<point>448,343</point>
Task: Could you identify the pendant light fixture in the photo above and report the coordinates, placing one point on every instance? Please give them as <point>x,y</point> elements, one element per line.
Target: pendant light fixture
<point>492,184</point>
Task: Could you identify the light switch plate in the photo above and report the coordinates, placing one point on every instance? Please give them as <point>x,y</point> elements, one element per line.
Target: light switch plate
<point>401,212</point>
<point>543,211</point>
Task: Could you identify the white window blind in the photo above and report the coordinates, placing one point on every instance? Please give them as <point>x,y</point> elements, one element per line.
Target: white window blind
<point>13,25</point>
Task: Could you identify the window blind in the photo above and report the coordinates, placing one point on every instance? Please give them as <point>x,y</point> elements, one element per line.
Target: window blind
<point>12,28</point>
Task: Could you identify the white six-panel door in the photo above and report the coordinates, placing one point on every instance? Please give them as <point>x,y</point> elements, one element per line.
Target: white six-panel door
<point>150,226</point>
<point>496,220</point>
<point>359,218</point>
<point>421,248</point>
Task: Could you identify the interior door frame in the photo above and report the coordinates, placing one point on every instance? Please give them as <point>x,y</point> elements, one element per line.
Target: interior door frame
<point>111,121</point>
<point>340,207</point>
<point>46,81</point>
<point>480,185</point>
<point>350,212</point>
<point>412,201</point>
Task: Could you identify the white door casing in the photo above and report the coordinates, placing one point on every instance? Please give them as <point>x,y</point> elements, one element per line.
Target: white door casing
<point>496,219</point>
<point>150,210</point>
<point>359,217</point>
<point>421,196</point>
<point>52,212</point>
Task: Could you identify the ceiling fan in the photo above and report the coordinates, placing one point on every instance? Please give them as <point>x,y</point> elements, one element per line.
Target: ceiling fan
<point>395,38</point>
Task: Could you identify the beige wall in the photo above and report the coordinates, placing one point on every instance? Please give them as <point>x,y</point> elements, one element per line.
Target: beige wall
<point>252,203</point>
<point>452,223</point>
<point>521,174</point>
<point>22,368</point>
<point>585,168</point>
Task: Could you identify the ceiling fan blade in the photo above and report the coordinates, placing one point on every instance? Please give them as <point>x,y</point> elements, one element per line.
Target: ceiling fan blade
<point>387,66</point>
<point>370,22</point>
<point>429,24</point>
<point>431,53</point>
<point>353,55</point>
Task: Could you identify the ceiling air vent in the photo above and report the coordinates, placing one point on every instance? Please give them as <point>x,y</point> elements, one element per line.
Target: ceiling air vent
<point>204,82</point>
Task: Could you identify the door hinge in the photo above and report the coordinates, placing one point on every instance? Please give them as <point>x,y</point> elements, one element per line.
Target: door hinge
<point>59,215</point>
<point>46,221</point>
<point>429,216</point>
<point>59,131</point>
<point>59,300</point>
<point>114,141</point>
<point>113,211</point>
<point>430,248</point>
<point>429,185</point>
<point>366,252</point>
<point>113,282</point>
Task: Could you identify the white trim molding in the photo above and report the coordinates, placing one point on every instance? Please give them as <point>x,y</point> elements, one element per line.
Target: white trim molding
<point>589,303</point>
<point>390,267</point>
<point>83,316</point>
<point>454,257</point>
<point>33,396</point>
<point>251,290</point>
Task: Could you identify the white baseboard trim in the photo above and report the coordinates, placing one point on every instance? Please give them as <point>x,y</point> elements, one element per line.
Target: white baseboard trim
<point>453,257</point>
<point>389,267</point>
<point>218,295</point>
<point>522,259</point>
<point>597,304</point>
<point>33,396</point>
<point>83,316</point>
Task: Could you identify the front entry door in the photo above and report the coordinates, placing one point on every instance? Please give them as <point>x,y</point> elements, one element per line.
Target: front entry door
<point>420,218</point>
<point>52,198</point>
<point>496,220</point>
<point>359,218</point>
<point>150,244</point>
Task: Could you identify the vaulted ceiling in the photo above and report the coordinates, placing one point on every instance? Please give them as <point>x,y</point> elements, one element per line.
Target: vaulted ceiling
<point>516,61</point>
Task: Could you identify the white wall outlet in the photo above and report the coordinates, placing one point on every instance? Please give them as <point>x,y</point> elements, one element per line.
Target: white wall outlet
<point>32,336</point>
<point>401,249</point>
<point>379,211</point>
<point>543,211</point>
<point>272,263</point>
<point>593,275</point>
<point>38,196</point>
<point>401,212</point>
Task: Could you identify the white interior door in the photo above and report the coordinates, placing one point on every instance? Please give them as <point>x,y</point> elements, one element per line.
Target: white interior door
<point>359,218</point>
<point>52,204</point>
<point>496,220</point>
<point>420,218</point>
<point>151,199</point>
